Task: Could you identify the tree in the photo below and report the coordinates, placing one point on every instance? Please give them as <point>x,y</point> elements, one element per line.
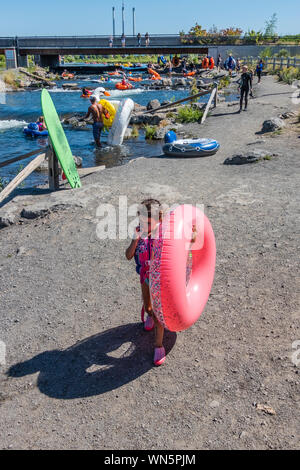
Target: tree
<point>271,26</point>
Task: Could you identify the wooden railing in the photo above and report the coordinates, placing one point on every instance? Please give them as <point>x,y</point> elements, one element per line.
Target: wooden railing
<point>275,61</point>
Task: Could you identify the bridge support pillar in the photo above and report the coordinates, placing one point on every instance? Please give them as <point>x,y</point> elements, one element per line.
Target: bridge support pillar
<point>22,61</point>
<point>51,61</point>
<point>11,58</point>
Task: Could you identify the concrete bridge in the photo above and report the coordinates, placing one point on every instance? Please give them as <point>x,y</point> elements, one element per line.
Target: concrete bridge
<point>49,48</point>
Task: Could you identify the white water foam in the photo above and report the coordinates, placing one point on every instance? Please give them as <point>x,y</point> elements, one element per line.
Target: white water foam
<point>61,90</point>
<point>11,123</point>
<point>119,93</point>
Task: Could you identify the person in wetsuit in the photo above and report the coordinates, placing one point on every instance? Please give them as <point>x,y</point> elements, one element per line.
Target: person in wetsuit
<point>245,86</point>
<point>259,69</point>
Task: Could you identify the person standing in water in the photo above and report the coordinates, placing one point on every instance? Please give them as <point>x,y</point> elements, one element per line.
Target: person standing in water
<point>245,86</point>
<point>97,111</point>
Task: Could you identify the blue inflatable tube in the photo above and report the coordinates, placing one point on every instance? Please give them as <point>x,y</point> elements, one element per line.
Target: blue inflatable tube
<point>189,147</point>
<point>33,131</point>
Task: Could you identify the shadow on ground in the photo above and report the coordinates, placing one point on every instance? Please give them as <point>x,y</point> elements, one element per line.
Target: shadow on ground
<point>96,365</point>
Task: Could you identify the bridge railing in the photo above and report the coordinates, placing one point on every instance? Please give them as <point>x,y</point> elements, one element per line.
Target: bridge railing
<point>96,41</point>
<point>275,62</point>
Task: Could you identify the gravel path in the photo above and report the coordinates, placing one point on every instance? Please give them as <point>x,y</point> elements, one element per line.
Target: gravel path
<point>79,371</point>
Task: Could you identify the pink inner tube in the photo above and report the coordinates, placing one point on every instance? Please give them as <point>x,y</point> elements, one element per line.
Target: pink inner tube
<point>180,283</point>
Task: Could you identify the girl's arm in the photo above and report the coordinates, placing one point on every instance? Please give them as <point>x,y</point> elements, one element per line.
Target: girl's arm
<point>131,249</point>
<point>129,253</point>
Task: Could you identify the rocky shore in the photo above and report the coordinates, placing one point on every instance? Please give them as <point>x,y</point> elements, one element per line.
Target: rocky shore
<point>78,371</point>
<point>21,79</point>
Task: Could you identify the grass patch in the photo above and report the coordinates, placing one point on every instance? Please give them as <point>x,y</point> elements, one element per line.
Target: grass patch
<point>135,132</point>
<point>150,132</point>
<point>188,114</point>
<point>275,133</point>
<point>9,78</point>
<point>286,75</point>
<point>224,82</point>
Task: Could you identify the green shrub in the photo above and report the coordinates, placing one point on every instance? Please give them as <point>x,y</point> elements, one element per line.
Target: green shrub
<point>189,114</point>
<point>283,53</point>
<point>150,132</point>
<point>288,74</point>
<point>9,78</point>
<point>267,52</point>
<point>224,82</point>
<point>135,132</point>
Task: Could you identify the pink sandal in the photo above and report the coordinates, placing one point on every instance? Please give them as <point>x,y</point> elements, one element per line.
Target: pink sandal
<point>159,356</point>
<point>149,324</point>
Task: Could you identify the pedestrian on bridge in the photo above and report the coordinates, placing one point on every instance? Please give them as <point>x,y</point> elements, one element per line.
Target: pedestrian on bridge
<point>123,40</point>
<point>147,39</point>
<point>139,38</point>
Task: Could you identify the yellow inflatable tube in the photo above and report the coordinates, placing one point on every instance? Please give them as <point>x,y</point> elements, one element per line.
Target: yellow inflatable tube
<point>107,121</point>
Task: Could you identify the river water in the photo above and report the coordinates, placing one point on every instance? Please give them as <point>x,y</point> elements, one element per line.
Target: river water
<point>21,108</point>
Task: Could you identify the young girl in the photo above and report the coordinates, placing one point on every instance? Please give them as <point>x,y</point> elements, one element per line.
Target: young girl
<point>41,123</point>
<point>141,249</point>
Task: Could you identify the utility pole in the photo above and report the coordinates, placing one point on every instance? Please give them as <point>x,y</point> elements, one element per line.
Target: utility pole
<point>123,18</point>
<point>133,21</point>
<point>113,19</point>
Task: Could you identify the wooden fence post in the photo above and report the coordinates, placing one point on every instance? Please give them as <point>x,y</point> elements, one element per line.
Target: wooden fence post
<point>214,90</point>
<point>216,96</point>
<point>288,62</point>
<point>274,63</point>
<point>53,170</point>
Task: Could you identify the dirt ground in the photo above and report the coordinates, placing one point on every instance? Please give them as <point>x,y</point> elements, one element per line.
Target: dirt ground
<point>78,371</point>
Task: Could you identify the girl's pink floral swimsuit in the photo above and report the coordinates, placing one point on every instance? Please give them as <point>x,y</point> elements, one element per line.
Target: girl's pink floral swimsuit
<point>142,258</point>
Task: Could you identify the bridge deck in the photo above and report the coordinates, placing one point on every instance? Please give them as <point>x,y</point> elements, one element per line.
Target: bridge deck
<point>89,45</point>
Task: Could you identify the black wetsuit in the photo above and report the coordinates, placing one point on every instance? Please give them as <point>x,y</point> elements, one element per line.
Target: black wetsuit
<point>246,86</point>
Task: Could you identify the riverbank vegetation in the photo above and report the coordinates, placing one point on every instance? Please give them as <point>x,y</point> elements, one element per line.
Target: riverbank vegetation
<point>235,35</point>
<point>287,74</point>
<point>99,59</point>
<point>189,113</point>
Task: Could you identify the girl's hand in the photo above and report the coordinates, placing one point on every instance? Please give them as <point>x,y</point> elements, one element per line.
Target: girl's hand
<point>137,234</point>
<point>194,234</point>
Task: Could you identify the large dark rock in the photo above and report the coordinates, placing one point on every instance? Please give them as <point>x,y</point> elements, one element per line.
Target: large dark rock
<point>152,119</point>
<point>272,125</point>
<point>153,104</point>
<point>253,156</point>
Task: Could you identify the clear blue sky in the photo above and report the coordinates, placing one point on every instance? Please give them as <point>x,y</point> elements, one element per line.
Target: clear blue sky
<point>78,17</point>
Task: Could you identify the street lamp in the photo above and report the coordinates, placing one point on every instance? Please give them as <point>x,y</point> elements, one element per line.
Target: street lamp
<point>113,19</point>
<point>123,18</point>
<point>133,21</point>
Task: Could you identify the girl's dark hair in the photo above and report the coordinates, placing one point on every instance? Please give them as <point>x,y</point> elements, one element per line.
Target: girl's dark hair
<point>153,206</point>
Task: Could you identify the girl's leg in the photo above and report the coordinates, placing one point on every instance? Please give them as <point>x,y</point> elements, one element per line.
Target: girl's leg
<point>146,298</point>
<point>159,329</point>
<point>159,333</point>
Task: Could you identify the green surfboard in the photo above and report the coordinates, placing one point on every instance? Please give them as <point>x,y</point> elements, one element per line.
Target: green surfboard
<point>59,140</point>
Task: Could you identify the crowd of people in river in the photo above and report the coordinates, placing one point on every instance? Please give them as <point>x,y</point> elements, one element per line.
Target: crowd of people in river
<point>189,67</point>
